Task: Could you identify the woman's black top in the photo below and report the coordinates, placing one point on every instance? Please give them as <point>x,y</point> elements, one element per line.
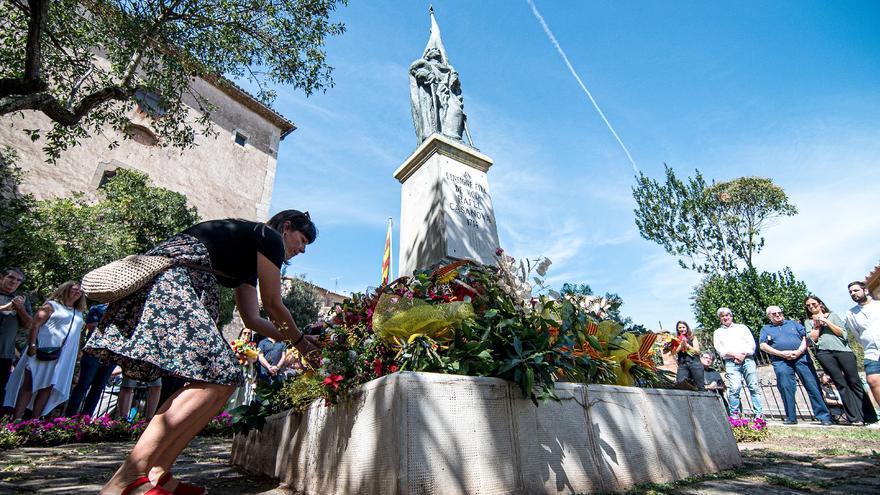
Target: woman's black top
<point>684,357</point>
<point>233,246</point>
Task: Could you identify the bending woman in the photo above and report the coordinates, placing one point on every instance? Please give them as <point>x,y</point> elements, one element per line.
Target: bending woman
<point>169,328</point>
<point>828,331</point>
<point>57,324</point>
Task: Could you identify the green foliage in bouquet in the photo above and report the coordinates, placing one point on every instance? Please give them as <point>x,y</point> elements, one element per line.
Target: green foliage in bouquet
<point>471,319</point>
<point>253,415</point>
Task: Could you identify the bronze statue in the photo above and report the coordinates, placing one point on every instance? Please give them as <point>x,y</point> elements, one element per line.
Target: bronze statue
<point>435,92</point>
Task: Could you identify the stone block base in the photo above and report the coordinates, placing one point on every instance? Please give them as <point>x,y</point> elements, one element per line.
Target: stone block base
<point>425,433</point>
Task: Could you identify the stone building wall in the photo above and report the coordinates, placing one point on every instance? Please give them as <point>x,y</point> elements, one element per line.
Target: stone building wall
<point>219,177</point>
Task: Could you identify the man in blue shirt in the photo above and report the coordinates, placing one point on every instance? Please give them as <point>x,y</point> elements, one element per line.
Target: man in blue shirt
<point>786,343</point>
<point>272,359</point>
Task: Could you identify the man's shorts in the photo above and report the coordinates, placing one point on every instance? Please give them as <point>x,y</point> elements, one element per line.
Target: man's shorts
<point>129,383</point>
<point>872,366</point>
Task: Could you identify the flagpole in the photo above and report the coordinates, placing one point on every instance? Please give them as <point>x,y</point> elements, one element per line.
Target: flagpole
<point>391,248</point>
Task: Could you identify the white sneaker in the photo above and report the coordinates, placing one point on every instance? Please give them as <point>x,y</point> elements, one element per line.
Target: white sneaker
<point>873,426</point>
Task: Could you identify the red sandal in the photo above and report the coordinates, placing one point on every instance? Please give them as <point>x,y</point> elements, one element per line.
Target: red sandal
<point>143,480</point>
<point>183,488</point>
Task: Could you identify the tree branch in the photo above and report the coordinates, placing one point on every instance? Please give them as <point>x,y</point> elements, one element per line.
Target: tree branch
<point>49,105</point>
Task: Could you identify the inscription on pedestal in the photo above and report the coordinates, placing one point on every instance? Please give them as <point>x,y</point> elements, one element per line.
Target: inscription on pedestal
<point>469,200</point>
<point>470,220</point>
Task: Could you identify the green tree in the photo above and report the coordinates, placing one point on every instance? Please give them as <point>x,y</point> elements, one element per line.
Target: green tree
<point>14,204</point>
<point>62,239</point>
<point>748,293</point>
<point>150,51</point>
<point>710,228</point>
<point>301,300</point>
<point>744,206</point>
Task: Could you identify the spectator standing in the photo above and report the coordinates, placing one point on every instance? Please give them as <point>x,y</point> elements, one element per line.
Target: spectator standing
<point>272,358</point>
<point>126,394</point>
<point>689,366</point>
<point>93,374</point>
<point>735,344</point>
<point>15,314</point>
<point>786,343</point>
<point>828,331</point>
<point>57,323</point>
<point>864,320</point>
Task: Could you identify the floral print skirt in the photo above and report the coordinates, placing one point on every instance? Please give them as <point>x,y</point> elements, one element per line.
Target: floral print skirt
<point>169,326</point>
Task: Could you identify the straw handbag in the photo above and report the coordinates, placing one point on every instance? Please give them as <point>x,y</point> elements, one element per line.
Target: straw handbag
<point>121,278</point>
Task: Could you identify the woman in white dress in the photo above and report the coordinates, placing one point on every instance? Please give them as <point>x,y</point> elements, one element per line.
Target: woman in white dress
<point>57,324</point>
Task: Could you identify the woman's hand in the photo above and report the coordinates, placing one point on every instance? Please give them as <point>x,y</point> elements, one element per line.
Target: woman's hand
<point>308,350</point>
<point>32,350</point>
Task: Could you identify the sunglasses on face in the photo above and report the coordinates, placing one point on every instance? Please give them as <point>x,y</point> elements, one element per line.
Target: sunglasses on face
<point>776,313</point>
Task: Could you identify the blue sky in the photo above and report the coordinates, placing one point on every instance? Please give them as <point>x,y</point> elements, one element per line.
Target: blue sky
<point>786,90</point>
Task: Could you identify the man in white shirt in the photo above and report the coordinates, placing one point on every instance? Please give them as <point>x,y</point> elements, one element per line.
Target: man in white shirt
<point>864,320</point>
<point>736,345</point>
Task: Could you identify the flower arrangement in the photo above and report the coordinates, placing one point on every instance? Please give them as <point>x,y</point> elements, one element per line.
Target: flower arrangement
<point>245,350</point>
<point>470,319</point>
<point>748,430</point>
<point>673,344</point>
<point>84,428</point>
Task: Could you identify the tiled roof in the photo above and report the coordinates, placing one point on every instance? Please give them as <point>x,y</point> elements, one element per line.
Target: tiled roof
<point>873,278</point>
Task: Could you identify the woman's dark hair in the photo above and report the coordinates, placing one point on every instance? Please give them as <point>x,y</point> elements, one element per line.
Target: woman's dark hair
<point>690,333</point>
<point>807,313</point>
<point>300,221</point>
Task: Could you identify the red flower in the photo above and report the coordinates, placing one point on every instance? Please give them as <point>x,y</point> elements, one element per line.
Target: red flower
<point>377,367</point>
<point>392,368</point>
<point>333,380</point>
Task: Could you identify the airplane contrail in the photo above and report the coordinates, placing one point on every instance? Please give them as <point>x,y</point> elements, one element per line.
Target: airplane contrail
<point>581,83</point>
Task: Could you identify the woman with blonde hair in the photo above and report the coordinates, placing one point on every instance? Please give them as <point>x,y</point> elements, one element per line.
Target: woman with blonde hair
<point>55,333</point>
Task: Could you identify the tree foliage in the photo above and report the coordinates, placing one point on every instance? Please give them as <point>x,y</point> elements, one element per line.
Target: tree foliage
<point>710,228</point>
<point>62,239</point>
<point>14,204</point>
<point>86,64</point>
<point>748,293</point>
<point>301,300</point>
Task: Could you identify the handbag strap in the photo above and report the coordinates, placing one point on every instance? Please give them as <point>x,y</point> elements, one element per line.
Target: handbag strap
<point>201,268</point>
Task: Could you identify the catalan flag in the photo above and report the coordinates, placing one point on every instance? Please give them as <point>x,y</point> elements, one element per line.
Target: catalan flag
<point>386,258</point>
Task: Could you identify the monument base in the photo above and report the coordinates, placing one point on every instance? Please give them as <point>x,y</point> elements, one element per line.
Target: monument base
<point>424,433</point>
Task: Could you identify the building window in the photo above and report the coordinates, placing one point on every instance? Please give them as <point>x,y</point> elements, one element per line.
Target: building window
<point>143,135</point>
<point>240,138</point>
<point>106,176</point>
<point>149,103</point>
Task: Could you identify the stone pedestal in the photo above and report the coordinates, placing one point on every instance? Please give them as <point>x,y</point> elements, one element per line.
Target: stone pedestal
<point>445,207</point>
<point>430,434</point>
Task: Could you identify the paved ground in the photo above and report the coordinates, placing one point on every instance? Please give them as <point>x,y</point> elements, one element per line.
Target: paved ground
<point>781,466</point>
<point>83,468</point>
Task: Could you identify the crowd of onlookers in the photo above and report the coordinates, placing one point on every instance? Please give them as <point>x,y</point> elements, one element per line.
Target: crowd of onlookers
<point>837,395</point>
<point>42,369</point>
